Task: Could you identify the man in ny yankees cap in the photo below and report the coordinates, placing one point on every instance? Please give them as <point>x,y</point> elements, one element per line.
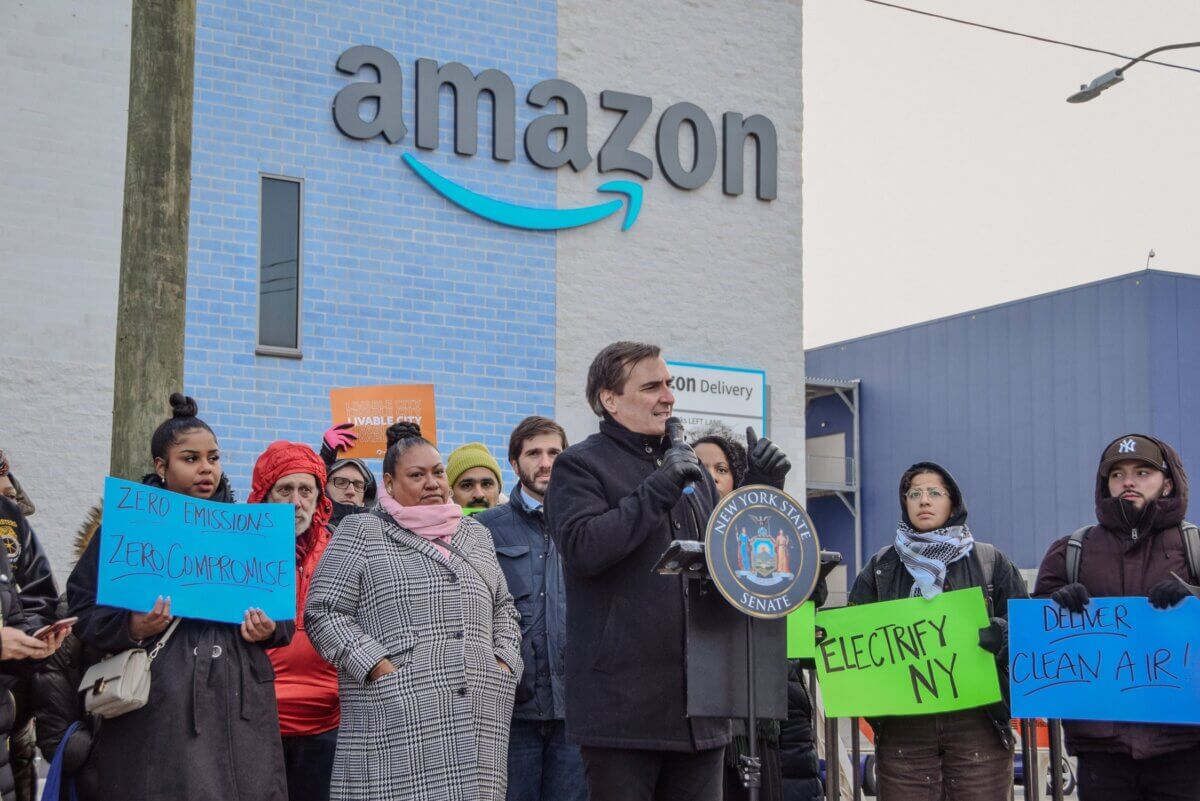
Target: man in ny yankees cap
<point>1140,539</point>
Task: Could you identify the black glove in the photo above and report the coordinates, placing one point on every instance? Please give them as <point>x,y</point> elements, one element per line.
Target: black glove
<point>767,464</point>
<point>1167,593</point>
<point>681,466</point>
<point>993,638</point>
<point>1072,597</point>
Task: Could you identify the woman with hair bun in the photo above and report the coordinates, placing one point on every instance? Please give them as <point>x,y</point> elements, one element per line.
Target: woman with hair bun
<point>210,729</point>
<point>410,605</point>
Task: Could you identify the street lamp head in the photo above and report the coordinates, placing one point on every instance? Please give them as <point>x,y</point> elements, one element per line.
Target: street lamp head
<point>1093,89</point>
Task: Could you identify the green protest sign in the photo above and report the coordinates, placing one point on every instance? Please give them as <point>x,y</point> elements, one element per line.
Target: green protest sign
<point>907,657</point>
<point>802,632</point>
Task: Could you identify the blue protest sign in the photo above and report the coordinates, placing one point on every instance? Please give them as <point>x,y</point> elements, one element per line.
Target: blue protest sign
<point>1121,659</point>
<point>215,560</point>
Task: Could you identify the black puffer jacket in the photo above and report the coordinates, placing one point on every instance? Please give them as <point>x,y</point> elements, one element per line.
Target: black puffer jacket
<point>58,704</point>
<point>797,751</point>
<point>30,568</point>
<point>12,615</point>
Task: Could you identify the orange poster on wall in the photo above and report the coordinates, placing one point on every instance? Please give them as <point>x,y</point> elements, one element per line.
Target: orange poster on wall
<point>373,409</point>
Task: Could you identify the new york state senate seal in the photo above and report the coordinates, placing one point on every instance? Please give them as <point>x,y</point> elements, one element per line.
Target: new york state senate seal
<point>762,551</point>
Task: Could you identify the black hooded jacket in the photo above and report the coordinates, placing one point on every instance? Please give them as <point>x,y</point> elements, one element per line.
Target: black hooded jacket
<point>58,702</point>
<point>30,567</point>
<point>11,670</point>
<point>884,578</point>
<point>1125,554</point>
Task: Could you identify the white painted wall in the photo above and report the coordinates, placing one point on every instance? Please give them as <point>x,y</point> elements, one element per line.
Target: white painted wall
<point>64,78</point>
<point>710,278</point>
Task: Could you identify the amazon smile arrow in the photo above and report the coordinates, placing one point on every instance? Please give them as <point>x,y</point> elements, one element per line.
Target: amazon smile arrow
<point>532,217</point>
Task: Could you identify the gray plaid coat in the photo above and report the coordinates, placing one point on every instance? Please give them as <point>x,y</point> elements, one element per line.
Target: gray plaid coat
<point>437,728</point>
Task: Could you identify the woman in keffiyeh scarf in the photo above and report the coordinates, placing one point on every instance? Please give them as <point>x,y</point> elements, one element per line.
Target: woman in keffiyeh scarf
<point>968,753</point>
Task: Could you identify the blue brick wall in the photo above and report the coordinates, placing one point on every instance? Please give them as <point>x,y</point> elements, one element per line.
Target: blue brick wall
<point>398,286</point>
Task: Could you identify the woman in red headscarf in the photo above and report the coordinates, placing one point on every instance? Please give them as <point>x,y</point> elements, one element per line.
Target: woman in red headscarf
<point>306,686</point>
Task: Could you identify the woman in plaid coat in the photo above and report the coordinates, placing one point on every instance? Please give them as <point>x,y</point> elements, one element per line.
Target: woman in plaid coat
<point>410,605</point>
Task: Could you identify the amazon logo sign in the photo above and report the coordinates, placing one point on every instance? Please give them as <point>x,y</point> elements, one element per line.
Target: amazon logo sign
<point>553,140</point>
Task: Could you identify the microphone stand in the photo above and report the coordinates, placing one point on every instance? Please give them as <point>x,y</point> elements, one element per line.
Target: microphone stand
<point>750,765</point>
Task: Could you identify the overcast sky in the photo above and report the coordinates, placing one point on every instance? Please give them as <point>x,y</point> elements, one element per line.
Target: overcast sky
<point>944,171</point>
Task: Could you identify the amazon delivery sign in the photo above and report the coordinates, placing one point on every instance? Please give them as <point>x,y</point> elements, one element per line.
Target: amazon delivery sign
<point>707,394</point>
<point>565,127</point>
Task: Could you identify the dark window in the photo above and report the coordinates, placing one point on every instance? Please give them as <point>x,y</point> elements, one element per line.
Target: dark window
<point>279,267</point>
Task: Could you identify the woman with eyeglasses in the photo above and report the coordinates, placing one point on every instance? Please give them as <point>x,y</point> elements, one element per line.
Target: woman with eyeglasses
<point>965,755</point>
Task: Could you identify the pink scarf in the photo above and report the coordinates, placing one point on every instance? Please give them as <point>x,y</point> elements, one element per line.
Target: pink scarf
<point>432,523</point>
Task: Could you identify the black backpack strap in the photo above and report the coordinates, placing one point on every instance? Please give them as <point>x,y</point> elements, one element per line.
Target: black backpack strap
<point>985,555</point>
<point>1191,547</point>
<point>1075,553</point>
<point>987,564</point>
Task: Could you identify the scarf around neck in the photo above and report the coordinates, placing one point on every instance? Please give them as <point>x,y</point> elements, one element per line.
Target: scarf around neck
<point>436,524</point>
<point>927,555</point>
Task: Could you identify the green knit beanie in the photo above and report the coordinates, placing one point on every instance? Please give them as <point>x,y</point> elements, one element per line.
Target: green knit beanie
<point>473,454</point>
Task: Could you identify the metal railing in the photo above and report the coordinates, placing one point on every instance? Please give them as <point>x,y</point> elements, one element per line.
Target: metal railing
<point>1033,779</point>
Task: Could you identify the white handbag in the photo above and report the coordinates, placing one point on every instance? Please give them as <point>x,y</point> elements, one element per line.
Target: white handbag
<point>121,683</point>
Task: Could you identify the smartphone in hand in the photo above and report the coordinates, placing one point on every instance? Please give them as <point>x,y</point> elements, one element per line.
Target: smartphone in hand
<point>45,632</point>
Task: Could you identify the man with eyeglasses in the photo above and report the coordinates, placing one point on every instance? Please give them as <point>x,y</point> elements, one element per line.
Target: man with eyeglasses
<point>306,686</point>
<point>351,484</point>
<point>1139,545</point>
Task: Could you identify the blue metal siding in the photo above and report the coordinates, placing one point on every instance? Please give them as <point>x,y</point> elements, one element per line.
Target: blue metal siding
<point>1017,401</point>
<point>1175,362</point>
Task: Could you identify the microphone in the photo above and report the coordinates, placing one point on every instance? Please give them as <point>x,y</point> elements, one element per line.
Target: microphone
<point>675,436</point>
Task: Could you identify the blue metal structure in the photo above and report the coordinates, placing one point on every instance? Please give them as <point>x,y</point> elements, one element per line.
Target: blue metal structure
<point>1017,401</point>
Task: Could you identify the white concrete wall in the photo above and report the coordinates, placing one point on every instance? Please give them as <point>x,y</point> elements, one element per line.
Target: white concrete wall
<point>64,78</point>
<point>710,278</point>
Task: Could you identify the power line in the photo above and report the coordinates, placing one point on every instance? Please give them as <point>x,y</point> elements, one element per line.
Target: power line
<point>1027,35</point>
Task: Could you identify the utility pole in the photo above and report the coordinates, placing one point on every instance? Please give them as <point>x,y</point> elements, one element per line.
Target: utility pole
<point>154,228</point>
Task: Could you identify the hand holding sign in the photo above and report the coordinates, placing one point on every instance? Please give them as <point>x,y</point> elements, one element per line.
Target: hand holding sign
<point>1168,592</point>
<point>1117,659</point>
<point>152,623</point>
<point>257,626</point>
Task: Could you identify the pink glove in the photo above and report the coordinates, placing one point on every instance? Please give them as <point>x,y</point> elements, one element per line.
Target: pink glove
<point>341,437</point>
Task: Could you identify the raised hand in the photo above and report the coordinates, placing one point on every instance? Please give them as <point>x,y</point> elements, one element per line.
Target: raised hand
<point>340,437</point>
<point>767,464</point>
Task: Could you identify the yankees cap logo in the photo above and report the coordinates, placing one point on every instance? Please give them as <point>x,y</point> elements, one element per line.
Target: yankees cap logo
<point>1127,446</point>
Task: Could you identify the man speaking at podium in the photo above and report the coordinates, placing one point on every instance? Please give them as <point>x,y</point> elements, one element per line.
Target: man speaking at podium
<point>617,501</point>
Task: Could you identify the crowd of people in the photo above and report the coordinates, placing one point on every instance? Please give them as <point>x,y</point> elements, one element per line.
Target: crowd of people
<point>453,642</point>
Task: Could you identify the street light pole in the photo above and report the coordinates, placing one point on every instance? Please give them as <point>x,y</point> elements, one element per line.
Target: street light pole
<point>1092,90</point>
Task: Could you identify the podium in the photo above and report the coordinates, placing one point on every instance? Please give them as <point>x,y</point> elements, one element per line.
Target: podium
<point>725,646</point>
